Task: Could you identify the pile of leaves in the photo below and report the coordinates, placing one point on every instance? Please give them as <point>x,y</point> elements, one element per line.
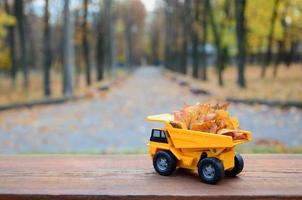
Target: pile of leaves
<point>206,117</point>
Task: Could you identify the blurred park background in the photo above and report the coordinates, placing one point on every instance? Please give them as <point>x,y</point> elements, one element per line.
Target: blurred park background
<point>80,76</point>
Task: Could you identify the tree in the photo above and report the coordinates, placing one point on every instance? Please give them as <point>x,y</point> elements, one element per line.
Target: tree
<point>156,33</point>
<point>204,5</point>
<point>129,39</point>
<point>270,38</point>
<point>220,51</point>
<point>104,41</point>
<point>77,39</point>
<point>107,24</point>
<point>186,33</point>
<point>47,52</point>
<point>168,34</point>
<point>31,35</point>
<point>195,40</point>
<point>282,42</point>
<point>11,41</point>
<point>222,27</point>
<point>19,13</point>
<point>174,14</point>
<point>204,39</point>
<point>100,53</point>
<point>240,32</point>
<point>133,15</point>
<point>68,62</point>
<point>86,50</point>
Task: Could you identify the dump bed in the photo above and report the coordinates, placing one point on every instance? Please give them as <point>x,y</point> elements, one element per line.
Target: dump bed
<point>183,138</point>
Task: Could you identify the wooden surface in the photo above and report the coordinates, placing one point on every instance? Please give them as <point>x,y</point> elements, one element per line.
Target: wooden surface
<point>133,177</point>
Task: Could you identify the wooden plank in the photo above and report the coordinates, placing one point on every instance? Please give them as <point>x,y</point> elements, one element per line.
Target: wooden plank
<point>133,177</point>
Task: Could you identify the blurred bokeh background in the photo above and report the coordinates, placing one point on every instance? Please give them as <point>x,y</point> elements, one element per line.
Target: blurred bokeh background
<point>80,76</point>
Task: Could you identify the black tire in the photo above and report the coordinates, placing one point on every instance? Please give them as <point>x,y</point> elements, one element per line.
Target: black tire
<point>164,163</point>
<point>212,175</point>
<point>238,166</point>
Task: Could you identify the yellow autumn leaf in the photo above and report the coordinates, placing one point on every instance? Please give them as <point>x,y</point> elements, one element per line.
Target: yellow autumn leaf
<point>211,118</point>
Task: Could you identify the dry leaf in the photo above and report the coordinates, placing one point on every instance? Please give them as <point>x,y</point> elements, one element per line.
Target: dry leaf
<point>211,118</point>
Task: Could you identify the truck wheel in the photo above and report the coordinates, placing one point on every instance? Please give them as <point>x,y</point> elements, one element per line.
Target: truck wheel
<point>210,170</point>
<point>164,163</point>
<point>238,166</point>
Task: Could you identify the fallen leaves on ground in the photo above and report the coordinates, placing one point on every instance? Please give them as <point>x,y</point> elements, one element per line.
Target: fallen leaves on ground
<point>286,86</point>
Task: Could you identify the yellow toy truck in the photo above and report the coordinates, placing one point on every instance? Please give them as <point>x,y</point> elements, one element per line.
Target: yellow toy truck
<point>212,155</point>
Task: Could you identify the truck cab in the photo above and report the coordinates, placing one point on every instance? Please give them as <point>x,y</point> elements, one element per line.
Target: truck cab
<point>158,135</point>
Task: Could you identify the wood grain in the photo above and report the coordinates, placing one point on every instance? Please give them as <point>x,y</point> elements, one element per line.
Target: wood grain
<point>133,177</point>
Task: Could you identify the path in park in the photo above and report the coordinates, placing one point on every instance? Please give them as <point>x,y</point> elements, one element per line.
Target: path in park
<point>115,122</point>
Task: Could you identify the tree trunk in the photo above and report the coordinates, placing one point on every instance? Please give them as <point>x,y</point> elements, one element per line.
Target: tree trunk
<point>168,35</point>
<point>281,44</point>
<point>186,33</point>
<point>204,39</point>
<point>85,44</point>
<point>31,44</point>
<point>270,38</point>
<point>154,48</point>
<point>100,57</point>
<point>196,42</point>
<point>11,42</point>
<point>219,50</point>
<point>220,76</point>
<point>19,13</point>
<point>128,37</point>
<point>175,35</point>
<point>68,62</point>
<point>47,52</point>
<point>240,30</point>
<point>128,47</point>
<point>77,50</point>
<point>100,50</point>
<point>108,37</point>
<point>279,58</point>
<point>291,53</point>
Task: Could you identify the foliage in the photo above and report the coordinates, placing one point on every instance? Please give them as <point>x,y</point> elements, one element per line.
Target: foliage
<point>130,24</point>
<point>119,34</point>
<point>285,87</point>
<point>5,61</point>
<point>258,16</point>
<point>5,20</point>
<point>155,36</point>
<point>224,17</point>
<point>207,117</point>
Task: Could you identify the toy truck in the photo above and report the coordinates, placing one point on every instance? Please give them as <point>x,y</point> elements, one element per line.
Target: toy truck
<point>212,155</point>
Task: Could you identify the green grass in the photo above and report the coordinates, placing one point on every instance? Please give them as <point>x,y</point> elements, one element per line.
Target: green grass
<point>263,149</point>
